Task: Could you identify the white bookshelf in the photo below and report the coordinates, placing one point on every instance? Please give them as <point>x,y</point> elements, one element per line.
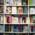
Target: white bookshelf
<point>27,15</point>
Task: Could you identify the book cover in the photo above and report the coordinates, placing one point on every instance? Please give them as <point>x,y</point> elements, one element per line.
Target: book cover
<point>14,20</point>
<point>15,28</point>
<point>25,29</point>
<point>2,28</point>
<point>25,10</point>
<point>20,10</point>
<point>20,20</point>
<point>5,20</point>
<point>9,19</point>
<point>1,19</point>
<point>32,10</point>
<point>19,2</point>
<point>8,10</point>
<point>9,2</point>
<point>30,2</point>
<point>23,2</point>
<point>33,19</point>
<point>7,28</point>
<point>14,10</point>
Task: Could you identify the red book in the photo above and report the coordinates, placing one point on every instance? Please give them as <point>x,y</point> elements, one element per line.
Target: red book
<point>9,19</point>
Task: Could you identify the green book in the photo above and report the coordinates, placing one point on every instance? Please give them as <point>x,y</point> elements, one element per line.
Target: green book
<point>30,2</point>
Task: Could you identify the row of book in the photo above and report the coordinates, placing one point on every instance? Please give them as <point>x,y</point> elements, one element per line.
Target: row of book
<point>17,2</point>
<point>17,28</point>
<point>17,33</point>
<point>14,10</point>
<point>17,19</point>
<point>14,2</point>
<point>17,10</point>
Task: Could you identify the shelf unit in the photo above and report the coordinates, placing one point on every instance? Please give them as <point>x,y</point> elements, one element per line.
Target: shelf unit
<point>15,17</point>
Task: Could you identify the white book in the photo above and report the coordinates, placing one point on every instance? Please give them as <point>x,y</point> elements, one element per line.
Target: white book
<point>14,10</point>
<point>14,20</point>
<point>27,20</point>
<point>19,2</point>
<point>9,2</point>
<point>25,29</point>
<point>32,10</point>
<point>5,20</point>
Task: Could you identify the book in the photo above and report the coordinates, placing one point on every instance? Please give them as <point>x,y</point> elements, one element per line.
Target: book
<point>15,28</point>
<point>7,28</point>
<point>1,2</point>
<point>14,10</point>
<point>23,2</point>
<point>32,2</point>
<point>33,28</point>
<point>32,10</point>
<point>5,20</point>
<point>9,2</point>
<point>1,9</point>
<point>1,33</point>
<point>25,29</point>
<point>14,20</point>
<point>20,10</point>
<point>20,20</point>
<point>1,19</point>
<point>27,20</point>
<point>2,28</point>
<point>8,10</point>
<point>33,19</point>
<point>25,10</point>
<point>18,2</point>
<point>20,28</point>
<point>9,19</point>
<point>23,20</point>
<point>11,27</point>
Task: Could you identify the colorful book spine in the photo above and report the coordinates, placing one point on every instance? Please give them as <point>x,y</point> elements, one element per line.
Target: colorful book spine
<point>9,19</point>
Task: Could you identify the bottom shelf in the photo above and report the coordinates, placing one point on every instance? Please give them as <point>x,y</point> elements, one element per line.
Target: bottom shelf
<point>17,33</point>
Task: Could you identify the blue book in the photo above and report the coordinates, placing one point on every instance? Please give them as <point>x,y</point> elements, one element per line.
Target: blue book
<point>15,28</point>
